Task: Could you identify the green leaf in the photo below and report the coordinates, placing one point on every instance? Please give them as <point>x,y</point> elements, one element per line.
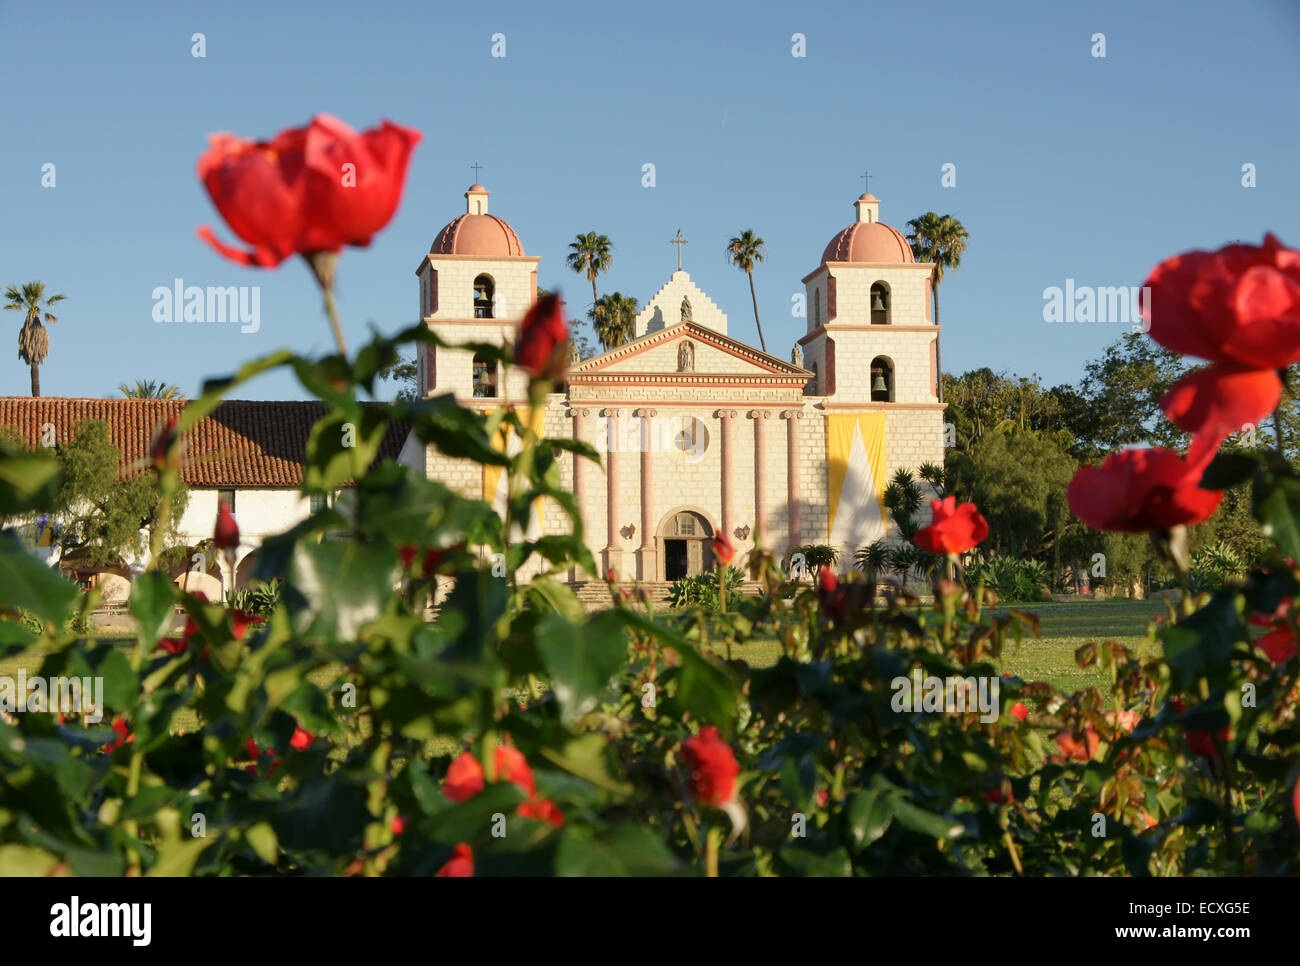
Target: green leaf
<point>626,850</point>
<point>1227,470</point>
<point>338,587</point>
<point>870,813</point>
<point>28,481</point>
<point>25,860</point>
<point>1277,506</point>
<point>30,584</point>
<point>152,597</point>
<point>582,659</point>
<point>262,838</point>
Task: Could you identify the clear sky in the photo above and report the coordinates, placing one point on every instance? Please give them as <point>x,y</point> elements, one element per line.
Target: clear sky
<point>1068,165</point>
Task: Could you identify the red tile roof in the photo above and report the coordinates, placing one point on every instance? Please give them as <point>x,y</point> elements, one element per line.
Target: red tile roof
<point>243,443</point>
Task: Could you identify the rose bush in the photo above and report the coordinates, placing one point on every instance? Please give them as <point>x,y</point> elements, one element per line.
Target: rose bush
<point>518,734</point>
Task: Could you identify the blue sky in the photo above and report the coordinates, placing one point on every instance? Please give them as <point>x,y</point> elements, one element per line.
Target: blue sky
<point>1068,166</point>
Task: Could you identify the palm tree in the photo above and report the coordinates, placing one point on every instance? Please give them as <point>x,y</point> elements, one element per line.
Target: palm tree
<point>148,389</point>
<point>612,317</point>
<point>745,251</point>
<point>940,240</point>
<point>33,340</point>
<point>592,254</point>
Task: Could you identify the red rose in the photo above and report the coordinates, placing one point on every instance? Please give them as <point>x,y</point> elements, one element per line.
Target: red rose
<point>432,558</point>
<point>460,865</point>
<point>1202,742</point>
<point>1077,750</point>
<point>309,189</point>
<point>953,529</point>
<point>1239,305</point>
<point>162,449</point>
<point>226,533</point>
<point>1019,711</point>
<point>712,766</point>
<point>1280,645</point>
<point>397,825</point>
<point>542,810</point>
<point>834,598</point>
<point>994,796</point>
<point>1141,489</point>
<point>301,739</point>
<point>464,778</point>
<point>1216,402</point>
<point>722,549</point>
<point>512,767</point>
<point>124,736</point>
<point>541,347</point>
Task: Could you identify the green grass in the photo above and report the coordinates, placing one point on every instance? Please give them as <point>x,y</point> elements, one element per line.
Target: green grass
<point>1066,626</point>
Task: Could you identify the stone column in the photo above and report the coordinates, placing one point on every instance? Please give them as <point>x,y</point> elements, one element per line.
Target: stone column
<point>579,472</point>
<point>728,417</point>
<point>613,543</point>
<point>792,491</point>
<point>760,417</point>
<point>647,556</point>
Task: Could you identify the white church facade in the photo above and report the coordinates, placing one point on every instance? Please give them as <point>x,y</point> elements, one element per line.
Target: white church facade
<point>699,432</point>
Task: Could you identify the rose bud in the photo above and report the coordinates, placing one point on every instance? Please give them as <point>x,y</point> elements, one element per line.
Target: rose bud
<point>953,529</point>
<point>226,534</point>
<point>541,346</point>
<point>713,767</point>
<point>722,549</point>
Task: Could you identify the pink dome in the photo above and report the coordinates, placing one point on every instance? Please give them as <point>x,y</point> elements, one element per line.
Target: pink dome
<point>872,241</point>
<point>485,235</point>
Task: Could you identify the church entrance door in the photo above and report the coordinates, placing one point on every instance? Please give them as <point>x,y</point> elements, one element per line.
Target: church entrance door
<point>683,543</point>
<point>675,559</point>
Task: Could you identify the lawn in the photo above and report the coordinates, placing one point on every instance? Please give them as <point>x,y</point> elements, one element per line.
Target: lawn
<point>1066,626</point>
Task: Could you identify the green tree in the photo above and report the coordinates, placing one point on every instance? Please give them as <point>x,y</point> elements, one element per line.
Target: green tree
<point>745,251</point>
<point>612,318</point>
<point>148,389</point>
<point>33,339</point>
<point>99,515</point>
<point>591,254</point>
<point>1018,481</point>
<point>940,240</point>
<point>1119,397</point>
<point>405,373</point>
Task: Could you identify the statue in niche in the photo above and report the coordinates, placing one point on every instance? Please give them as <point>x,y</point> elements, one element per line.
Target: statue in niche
<point>574,356</point>
<point>686,357</point>
<point>686,310</point>
<point>797,355</point>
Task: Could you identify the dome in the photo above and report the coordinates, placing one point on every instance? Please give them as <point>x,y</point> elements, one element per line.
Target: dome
<point>476,232</point>
<point>869,242</point>
<point>868,239</point>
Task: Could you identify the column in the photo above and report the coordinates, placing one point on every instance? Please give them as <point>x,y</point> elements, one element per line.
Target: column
<point>728,417</point>
<point>760,417</point>
<point>579,473</point>
<point>792,492</point>
<point>647,558</point>
<point>613,544</point>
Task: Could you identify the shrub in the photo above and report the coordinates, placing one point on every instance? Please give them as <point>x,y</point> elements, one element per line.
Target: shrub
<point>702,589</point>
<point>1014,580</point>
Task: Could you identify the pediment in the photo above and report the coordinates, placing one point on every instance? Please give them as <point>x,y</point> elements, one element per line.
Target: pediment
<point>687,353</point>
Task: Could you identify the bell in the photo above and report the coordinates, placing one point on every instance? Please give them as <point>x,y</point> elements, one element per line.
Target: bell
<point>878,384</point>
<point>877,302</point>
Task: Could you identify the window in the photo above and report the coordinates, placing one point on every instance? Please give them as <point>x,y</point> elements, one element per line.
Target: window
<point>228,496</point>
<point>817,306</point>
<point>485,378</point>
<point>694,436</point>
<point>319,501</point>
<point>811,388</point>
<point>882,380</point>
<point>880,304</point>
<point>484,291</point>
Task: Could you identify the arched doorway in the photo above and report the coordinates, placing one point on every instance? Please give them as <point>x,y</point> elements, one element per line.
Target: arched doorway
<point>683,544</point>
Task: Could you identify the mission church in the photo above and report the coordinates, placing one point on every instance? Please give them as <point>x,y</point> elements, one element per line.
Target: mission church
<point>700,433</point>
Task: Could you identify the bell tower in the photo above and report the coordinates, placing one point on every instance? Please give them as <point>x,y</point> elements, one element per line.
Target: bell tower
<point>476,283</point>
<point>870,337</point>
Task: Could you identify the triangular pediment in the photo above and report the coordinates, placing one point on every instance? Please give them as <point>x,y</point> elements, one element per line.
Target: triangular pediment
<point>686,353</point>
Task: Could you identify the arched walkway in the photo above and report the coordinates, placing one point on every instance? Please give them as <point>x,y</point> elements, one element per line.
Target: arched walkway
<point>682,544</point>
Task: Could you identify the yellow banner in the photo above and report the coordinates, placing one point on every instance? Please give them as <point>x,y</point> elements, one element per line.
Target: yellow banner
<point>855,454</point>
<point>507,440</point>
